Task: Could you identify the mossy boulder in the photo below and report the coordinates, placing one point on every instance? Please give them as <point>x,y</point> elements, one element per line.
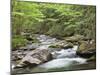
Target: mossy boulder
<point>54,46</point>
<point>62,44</point>
<point>68,45</point>
<point>83,45</point>
<point>74,38</point>
<point>59,44</point>
<point>86,49</point>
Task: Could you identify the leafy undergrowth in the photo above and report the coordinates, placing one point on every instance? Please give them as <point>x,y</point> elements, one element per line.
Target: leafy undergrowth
<point>18,41</point>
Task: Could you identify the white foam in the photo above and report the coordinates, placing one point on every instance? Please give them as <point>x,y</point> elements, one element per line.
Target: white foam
<point>65,53</point>
<point>43,47</point>
<point>75,47</point>
<point>55,63</point>
<point>58,63</point>
<point>12,66</point>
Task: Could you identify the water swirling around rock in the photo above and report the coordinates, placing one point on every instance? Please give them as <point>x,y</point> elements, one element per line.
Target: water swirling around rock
<point>63,59</point>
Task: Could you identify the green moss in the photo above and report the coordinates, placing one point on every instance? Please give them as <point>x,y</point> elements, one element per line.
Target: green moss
<point>69,45</point>
<point>83,46</point>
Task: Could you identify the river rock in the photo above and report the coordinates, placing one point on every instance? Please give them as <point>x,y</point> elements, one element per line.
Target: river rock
<point>86,49</point>
<point>68,45</point>
<point>62,44</point>
<point>35,57</point>
<point>93,58</point>
<point>75,38</point>
<point>17,55</point>
<point>57,44</point>
<point>30,46</point>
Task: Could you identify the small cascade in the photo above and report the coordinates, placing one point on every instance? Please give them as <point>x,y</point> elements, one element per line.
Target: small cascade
<point>62,58</point>
<point>62,62</point>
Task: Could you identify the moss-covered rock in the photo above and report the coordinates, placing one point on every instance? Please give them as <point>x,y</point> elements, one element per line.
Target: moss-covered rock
<point>68,45</point>
<point>55,46</point>
<point>74,38</point>
<point>83,45</point>
<point>62,44</point>
<point>86,49</point>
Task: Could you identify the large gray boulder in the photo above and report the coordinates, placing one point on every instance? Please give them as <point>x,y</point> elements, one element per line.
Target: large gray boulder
<point>35,57</point>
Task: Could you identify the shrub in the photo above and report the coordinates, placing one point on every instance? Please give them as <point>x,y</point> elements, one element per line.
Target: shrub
<point>18,41</point>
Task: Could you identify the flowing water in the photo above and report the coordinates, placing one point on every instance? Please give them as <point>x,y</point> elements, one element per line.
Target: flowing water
<point>63,59</point>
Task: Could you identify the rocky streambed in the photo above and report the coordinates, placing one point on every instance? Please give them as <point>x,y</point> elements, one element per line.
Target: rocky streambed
<point>52,54</point>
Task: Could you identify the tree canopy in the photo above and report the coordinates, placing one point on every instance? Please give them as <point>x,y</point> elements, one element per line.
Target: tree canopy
<point>58,20</point>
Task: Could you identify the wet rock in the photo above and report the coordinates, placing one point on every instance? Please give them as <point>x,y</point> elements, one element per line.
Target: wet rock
<point>62,44</point>
<point>75,38</point>
<point>87,54</point>
<point>53,49</point>
<point>23,48</point>
<point>83,45</point>
<point>55,46</point>
<point>69,45</point>
<point>30,46</point>
<point>93,58</point>
<point>17,55</point>
<point>86,49</point>
<point>35,57</point>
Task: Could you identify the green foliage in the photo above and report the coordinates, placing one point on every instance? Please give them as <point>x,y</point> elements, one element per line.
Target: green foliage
<point>70,30</point>
<point>18,41</point>
<point>58,20</point>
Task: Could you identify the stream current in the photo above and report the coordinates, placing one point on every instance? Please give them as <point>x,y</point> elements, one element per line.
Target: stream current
<point>63,59</point>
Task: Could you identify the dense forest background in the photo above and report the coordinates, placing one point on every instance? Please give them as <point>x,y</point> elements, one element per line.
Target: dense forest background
<point>56,20</point>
